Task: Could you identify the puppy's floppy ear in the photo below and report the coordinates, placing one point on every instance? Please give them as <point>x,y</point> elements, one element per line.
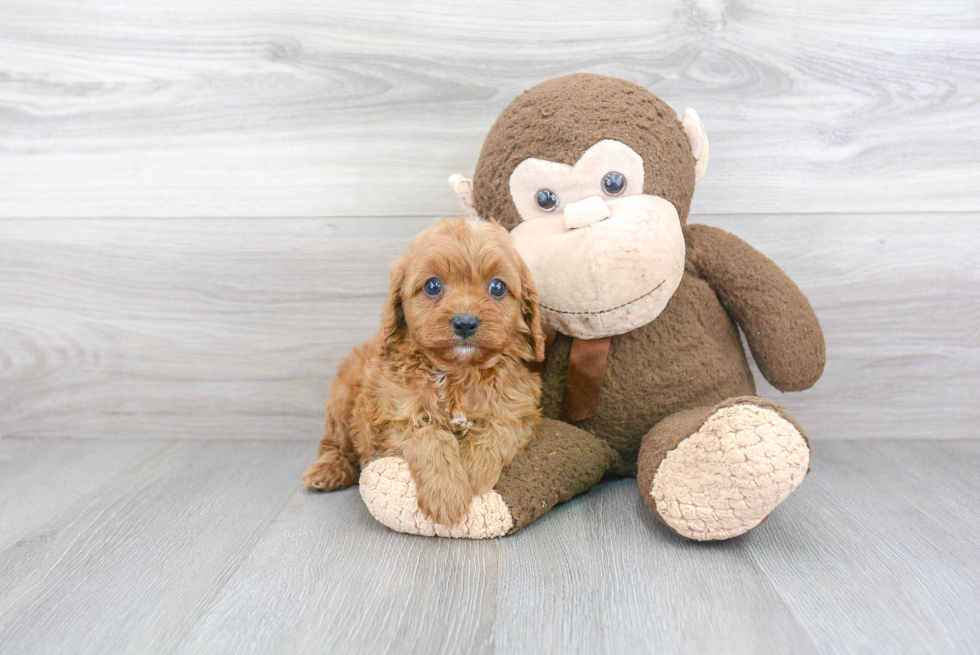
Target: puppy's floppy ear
<point>393,314</point>
<point>531,315</point>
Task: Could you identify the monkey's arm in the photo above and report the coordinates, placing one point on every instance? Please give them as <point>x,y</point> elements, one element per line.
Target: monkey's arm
<point>779,323</point>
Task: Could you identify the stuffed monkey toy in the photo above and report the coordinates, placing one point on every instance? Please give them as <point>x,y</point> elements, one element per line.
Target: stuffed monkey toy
<point>646,375</point>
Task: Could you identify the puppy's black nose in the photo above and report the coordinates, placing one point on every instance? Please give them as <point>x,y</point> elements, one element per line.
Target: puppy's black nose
<point>465,325</point>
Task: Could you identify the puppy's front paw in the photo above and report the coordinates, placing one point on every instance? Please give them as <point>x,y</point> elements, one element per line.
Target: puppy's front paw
<point>483,474</point>
<point>482,466</point>
<point>389,493</point>
<point>445,497</point>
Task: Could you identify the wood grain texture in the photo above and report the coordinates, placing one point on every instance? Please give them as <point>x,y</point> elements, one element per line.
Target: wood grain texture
<point>895,528</point>
<point>213,547</point>
<point>213,328</point>
<point>329,579</point>
<point>603,575</point>
<point>41,477</point>
<point>142,108</point>
<point>127,566</point>
<point>234,329</point>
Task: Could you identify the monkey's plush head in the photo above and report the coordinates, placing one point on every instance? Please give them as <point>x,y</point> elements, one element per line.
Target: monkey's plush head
<point>593,175</point>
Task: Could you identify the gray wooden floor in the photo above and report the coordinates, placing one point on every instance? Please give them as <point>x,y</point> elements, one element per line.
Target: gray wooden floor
<point>190,546</point>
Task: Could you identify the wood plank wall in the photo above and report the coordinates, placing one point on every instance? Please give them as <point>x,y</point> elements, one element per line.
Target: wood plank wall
<point>199,200</point>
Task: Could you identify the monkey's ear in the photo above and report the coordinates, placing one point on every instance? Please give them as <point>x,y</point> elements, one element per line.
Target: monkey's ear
<point>463,188</point>
<point>393,314</point>
<point>698,138</point>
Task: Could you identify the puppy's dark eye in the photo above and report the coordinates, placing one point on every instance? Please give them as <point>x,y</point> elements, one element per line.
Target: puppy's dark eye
<point>433,287</point>
<point>547,200</point>
<point>614,183</point>
<point>497,289</point>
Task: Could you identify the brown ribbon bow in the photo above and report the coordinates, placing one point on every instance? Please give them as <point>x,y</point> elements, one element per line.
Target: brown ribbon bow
<point>586,370</point>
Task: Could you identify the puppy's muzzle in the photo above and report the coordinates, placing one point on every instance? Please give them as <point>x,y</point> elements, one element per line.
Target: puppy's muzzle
<point>465,325</point>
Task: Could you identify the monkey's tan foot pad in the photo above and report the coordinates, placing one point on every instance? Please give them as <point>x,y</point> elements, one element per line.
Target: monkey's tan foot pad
<point>727,477</point>
<point>389,493</point>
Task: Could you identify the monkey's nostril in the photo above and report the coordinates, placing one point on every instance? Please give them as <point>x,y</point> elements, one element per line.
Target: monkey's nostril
<point>465,325</point>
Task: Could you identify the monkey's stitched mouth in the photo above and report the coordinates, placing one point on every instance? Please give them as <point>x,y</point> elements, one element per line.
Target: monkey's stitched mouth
<point>605,311</point>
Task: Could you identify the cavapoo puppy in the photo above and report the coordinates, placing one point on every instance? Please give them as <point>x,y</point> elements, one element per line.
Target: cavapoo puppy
<point>445,382</point>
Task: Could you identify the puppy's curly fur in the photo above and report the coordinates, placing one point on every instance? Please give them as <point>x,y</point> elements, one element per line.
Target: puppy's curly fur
<point>456,408</point>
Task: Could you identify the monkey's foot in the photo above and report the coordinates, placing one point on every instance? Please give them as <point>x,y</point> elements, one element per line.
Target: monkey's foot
<point>389,492</point>
<point>731,473</point>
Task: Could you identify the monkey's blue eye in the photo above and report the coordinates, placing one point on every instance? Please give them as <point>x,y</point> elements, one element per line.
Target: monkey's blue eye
<point>614,183</point>
<point>433,287</point>
<point>498,289</point>
<point>547,200</point>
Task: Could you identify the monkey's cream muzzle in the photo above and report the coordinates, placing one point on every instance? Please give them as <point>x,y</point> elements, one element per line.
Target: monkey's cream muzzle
<point>610,275</point>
